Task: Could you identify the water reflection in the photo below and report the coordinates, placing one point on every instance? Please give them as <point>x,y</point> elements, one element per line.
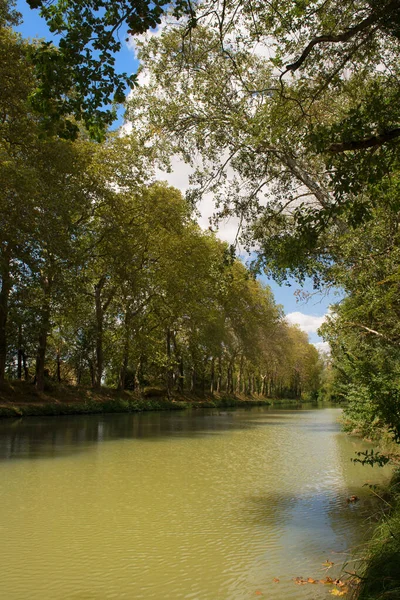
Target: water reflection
<point>202,504</point>
<point>56,436</point>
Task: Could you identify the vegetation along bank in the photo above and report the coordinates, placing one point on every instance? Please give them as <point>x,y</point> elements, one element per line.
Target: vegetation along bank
<point>289,113</point>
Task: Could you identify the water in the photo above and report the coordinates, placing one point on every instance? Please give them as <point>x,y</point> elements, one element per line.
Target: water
<point>201,505</point>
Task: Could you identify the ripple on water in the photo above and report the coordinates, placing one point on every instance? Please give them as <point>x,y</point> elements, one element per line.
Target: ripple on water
<point>205,508</point>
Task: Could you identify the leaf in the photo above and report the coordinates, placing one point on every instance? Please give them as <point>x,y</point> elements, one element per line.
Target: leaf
<point>275,580</point>
<point>311,580</point>
<point>328,563</point>
<point>336,592</point>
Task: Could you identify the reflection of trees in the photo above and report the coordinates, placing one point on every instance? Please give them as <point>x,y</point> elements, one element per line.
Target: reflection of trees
<point>51,437</point>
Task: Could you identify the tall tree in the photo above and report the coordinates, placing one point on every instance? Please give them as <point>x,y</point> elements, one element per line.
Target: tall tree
<point>298,102</point>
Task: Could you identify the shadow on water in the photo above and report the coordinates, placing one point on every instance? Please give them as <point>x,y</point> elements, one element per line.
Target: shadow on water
<point>49,437</point>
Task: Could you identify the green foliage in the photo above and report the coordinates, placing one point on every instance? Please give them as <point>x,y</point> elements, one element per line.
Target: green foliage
<point>363,329</point>
<point>8,14</point>
<point>308,152</point>
<point>379,571</point>
<point>105,275</point>
<point>371,457</point>
<point>78,77</point>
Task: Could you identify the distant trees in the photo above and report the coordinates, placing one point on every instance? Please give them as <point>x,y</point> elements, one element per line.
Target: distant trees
<point>106,277</point>
<point>289,112</point>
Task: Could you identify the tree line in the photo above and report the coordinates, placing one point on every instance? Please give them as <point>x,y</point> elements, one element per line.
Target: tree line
<point>107,279</point>
<point>293,108</point>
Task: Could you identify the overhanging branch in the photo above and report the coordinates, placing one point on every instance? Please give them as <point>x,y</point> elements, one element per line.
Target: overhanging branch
<point>374,18</point>
<point>369,330</point>
<point>371,142</point>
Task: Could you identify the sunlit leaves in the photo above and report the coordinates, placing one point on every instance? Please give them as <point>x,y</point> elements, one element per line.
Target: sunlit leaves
<point>78,77</point>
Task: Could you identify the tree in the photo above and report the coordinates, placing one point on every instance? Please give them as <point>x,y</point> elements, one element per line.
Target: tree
<point>363,330</point>
<point>78,77</point>
<point>277,122</point>
<point>305,35</point>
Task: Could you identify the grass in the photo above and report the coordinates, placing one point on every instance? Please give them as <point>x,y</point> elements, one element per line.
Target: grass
<point>380,570</point>
<point>20,399</point>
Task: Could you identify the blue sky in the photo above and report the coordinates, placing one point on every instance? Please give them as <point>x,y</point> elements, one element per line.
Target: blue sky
<point>306,314</point>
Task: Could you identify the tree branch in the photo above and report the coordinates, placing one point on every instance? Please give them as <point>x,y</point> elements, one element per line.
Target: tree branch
<point>349,33</point>
<point>369,330</point>
<point>371,142</point>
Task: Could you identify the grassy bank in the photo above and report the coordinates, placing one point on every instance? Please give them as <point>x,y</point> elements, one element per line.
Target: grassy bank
<point>20,399</point>
<point>378,572</point>
<point>380,569</point>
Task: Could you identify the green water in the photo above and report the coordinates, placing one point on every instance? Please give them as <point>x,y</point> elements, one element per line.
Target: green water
<point>197,505</point>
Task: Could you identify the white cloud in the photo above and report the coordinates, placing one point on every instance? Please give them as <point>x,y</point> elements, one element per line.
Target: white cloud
<point>133,39</point>
<point>307,323</point>
<point>179,178</point>
<point>323,347</point>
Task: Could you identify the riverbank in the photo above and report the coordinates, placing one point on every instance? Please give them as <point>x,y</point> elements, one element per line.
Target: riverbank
<point>379,571</point>
<point>21,399</point>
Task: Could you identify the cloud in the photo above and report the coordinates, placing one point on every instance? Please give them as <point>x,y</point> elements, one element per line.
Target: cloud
<point>134,39</point>
<point>307,323</point>
<point>323,347</point>
<point>179,178</point>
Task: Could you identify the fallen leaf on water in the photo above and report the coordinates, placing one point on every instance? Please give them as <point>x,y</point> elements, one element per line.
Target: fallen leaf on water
<point>275,580</point>
<point>300,581</point>
<point>328,563</point>
<point>311,580</point>
<point>258,593</point>
<point>336,592</point>
<point>327,580</point>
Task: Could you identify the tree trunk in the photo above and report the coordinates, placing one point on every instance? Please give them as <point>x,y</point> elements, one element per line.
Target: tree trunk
<point>212,376</point>
<point>4,299</point>
<point>43,333</point>
<point>264,385</point>
<point>125,358</point>
<point>203,377</point>
<point>240,376</point>
<point>169,367</point>
<point>92,372</point>
<point>229,379</point>
<point>271,387</point>
<point>20,353</point>
<point>58,366</point>
<point>138,373</point>
<point>181,382</point>
<point>219,378</point>
<point>98,374</point>
<point>78,374</point>
<point>179,360</point>
<point>193,379</point>
<point>123,370</point>
<point>25,366</point>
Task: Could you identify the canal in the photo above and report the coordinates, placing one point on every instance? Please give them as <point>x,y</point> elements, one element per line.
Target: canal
<point>200,505</point>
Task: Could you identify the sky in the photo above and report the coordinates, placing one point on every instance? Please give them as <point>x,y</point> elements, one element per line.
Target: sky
<point>310,314</point>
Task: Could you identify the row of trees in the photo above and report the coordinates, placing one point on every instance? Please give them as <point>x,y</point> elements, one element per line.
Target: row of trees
<point>289,112</point>
<point>106,277</point>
